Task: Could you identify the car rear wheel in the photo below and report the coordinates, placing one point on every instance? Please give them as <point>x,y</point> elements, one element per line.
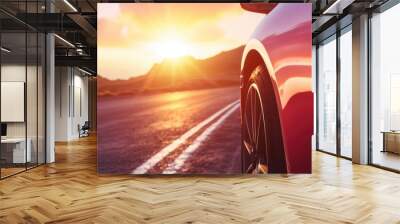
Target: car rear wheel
<point>262,145</point>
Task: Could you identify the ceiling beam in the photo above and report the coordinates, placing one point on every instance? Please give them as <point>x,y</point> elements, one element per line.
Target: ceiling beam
<point>78,61</point>
<point>84,24</point>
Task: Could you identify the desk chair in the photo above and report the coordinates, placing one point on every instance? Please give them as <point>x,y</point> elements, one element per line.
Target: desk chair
<point>84,130</point>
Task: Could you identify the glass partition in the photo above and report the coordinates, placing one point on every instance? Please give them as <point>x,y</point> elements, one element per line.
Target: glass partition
<point>14,153</point>
<point>32,96</point>
<point>41,96</point>
<point>22,88</point>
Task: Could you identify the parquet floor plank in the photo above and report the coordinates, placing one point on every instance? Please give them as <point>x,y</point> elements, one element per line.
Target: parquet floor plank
<point>70,191</point>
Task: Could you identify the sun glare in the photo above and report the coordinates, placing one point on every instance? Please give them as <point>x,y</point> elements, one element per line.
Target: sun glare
<point>171,48</point>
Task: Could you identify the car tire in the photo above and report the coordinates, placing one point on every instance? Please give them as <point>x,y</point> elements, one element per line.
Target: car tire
<point>262,141</point>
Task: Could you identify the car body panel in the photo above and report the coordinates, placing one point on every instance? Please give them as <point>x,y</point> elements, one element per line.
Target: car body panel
<point>284,42</point>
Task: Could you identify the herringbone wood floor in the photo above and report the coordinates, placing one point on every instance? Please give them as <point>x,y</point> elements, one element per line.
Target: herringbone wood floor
<point>70,191</point>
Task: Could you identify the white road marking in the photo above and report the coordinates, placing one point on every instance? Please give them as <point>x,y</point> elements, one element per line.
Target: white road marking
<point>150,163</point>
<point>181,159</point>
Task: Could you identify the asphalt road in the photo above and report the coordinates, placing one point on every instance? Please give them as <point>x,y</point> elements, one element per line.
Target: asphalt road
<point>192,132</point>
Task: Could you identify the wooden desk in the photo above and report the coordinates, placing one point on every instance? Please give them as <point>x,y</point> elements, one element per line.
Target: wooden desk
<point>391,141</point>
<point>16,147</point>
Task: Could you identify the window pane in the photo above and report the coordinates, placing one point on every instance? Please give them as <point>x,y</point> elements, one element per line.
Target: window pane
<point>346,94</point>
<point>327,96</point>
<point>385,84</point>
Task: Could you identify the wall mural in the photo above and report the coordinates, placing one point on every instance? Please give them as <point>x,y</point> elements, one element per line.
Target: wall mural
<point>204,88</point>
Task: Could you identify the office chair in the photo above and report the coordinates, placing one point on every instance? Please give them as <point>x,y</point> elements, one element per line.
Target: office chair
<point>84,130</point>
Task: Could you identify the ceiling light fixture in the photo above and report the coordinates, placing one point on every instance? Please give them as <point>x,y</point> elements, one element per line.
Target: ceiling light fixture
<point>70,5</point>
<point>328,10</point>
<point>64,40</point>
<point>5,50</point>
<point>337,7</point>
<point>84,71</point>
<point>79,51</point>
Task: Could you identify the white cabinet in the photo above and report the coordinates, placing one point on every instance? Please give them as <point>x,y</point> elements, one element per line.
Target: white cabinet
<point>19,155</point>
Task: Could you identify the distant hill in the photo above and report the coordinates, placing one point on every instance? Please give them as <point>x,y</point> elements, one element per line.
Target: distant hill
<point>185,73</point>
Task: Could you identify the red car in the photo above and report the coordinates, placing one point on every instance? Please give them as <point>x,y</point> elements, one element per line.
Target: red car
<point>276,91</point>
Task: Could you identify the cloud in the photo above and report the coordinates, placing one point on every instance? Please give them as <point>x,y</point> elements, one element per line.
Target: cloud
<point>238,27</point>
<point>109,11</point>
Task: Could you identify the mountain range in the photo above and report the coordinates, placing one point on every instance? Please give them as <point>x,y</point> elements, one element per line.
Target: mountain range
<point>184,73</point>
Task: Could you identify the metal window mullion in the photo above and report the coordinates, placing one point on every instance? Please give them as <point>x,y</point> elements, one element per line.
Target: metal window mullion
<point>369,90</point>
<point>316,97</point>
<point>45,94</point>
<point>73,92</point>
<point>338,82</point>
<point>37,91</point>
<point>69,93</point>
<point>60,90</point>
<point>26,90</point>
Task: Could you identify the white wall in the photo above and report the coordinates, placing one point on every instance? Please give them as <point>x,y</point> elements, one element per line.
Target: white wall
<point>71,94</point>
<point>16,73</point>
<point>80,109</point>
<point>13,101</point>
<point>33,126</point>
<point>62,81</point>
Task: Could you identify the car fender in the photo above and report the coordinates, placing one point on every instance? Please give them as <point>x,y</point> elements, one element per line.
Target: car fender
<point>255,45</point>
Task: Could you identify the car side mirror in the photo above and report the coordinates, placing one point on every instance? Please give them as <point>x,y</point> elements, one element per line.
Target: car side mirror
<point>261,7</point>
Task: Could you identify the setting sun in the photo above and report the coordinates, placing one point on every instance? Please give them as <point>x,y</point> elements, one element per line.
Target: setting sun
<point>135,37</point>
<point>171,48</point>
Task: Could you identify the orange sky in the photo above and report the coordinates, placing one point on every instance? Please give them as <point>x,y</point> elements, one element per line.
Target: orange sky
<point>134,36</point>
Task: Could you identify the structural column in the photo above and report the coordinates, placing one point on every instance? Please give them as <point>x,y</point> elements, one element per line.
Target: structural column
<point>50,92</point>
<point>360,89</point>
